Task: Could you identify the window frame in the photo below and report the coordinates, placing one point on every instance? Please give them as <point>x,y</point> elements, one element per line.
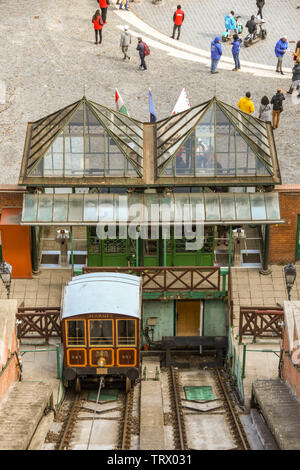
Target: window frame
<point>101,345</point>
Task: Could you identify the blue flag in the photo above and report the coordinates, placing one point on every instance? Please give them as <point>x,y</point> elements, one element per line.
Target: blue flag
<point>152,111</point>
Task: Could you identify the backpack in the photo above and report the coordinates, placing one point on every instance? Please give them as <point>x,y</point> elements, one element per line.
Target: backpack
<point>227,22</point>
<point>146,49</point>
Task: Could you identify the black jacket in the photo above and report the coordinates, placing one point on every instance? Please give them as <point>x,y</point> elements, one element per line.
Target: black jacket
<point>276,101</point>
<point>260,3</point>
<point>252,26</point>
<point>140,48</point>
<point>296,72</point>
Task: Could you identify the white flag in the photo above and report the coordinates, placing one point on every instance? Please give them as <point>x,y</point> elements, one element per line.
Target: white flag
<point>182,103</point>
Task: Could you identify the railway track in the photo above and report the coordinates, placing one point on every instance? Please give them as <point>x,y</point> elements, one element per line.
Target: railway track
<point>126,424</point>
<point>234,423</point>
<point>222,408</point>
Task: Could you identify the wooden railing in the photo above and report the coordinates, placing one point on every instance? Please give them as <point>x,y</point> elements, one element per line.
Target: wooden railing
<point>170,279</point>
<point>38,322</point>
<point>261,322</point>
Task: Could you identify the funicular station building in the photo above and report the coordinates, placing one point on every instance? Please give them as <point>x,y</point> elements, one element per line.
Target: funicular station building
<point>177,201</point>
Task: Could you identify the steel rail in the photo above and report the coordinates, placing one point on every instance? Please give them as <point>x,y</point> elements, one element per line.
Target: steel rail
<point>178,412</point>
<point>70,424</point>
<point>237,424</point>
<point>125,445</point>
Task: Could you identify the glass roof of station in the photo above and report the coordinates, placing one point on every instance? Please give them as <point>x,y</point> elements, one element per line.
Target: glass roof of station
<point>93,209</point>
<point>85,139</point>
<point>86,144</point>
<point>213,139</point>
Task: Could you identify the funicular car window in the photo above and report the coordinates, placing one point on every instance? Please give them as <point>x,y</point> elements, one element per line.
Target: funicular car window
<point>76,332</point>
<point>101,332</point>
<point>126,332</point>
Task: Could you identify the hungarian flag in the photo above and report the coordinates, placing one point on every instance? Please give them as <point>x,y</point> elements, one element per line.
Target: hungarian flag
<point>152,111</point>
<point>182,103</point>
<point>120,106</point>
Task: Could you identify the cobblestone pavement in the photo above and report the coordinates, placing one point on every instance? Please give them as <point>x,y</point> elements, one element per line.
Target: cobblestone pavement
<point>48,60</point>
<point>204,20</point>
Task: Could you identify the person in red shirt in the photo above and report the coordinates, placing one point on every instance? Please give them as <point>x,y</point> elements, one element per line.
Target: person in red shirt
<point>103,4</point>
<point>178,18</point>
<point>98,25</point>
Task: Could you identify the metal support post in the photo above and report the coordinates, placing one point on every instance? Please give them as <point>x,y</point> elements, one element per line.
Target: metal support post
<point>265,269</point>
<point>244,360</point>
<point>230,245</point>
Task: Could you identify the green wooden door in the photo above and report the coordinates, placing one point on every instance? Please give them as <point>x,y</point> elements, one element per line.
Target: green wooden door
<point>298,240</point>
<point>214,323</point>
<point>158,317</point>
<point>109,252</point>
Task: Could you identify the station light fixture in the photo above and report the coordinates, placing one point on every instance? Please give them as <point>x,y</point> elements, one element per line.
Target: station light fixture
<point>290,276</point>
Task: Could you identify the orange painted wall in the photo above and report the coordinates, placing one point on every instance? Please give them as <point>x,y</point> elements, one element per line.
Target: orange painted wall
<point>16,249</point>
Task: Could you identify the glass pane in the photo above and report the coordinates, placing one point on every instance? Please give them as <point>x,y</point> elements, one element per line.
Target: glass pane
<point>126,332</point>
<point>272,206</point>
<point>74,156</point>
<point>258,208</point>
<point>60,208</point>
<point>76,207</point>
<point>106,208</point>
<point>185,158</point>
<point>29,208</point>
<point>75,332</point>
<point>101,332</point>
<point>242,205</point>
<point>91,207</point>
<point>227,207</point>
<point>94,146</point>
<point>212,207</point>
<point>53,161</point>
<point>45,208</point>
<point>197,207</point>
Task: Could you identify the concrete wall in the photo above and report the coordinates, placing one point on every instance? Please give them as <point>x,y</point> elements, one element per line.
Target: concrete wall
<point>283,236</point>
<point>8,345</point>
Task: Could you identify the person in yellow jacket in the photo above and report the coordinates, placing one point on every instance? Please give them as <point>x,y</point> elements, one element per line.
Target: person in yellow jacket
<point>245,104</point>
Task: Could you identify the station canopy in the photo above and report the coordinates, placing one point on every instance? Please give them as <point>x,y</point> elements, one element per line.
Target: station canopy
<point>87,144</point>
<point>156,209</point>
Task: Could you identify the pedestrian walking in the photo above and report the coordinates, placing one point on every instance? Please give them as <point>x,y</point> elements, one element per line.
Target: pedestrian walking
<point>103,4</point>
<point>141,49</point>
<point>125,41</point>
<point>178,18</point>
<point>216,53</point>
<point>276,101</point>
<point>295,78</point>
<point>98,25</point>
<point>265,110</point>
<point>260,4</point>
<point>236,46</point>
<point>123,3</point>
<point>246,104</point>
<point>296,55</point>
<point>280,50</point>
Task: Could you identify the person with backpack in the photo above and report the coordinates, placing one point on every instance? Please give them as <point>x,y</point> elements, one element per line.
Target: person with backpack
<point>103,4</point>
<point>98,25</point>
<point>125,42</point>
<point>236,46</point>
<point>178,18</point>
<point>143,51</point>
<point>125,3</point>
<point>280,50</point>
<point>276,101</point>
<point>265,109</point>
<point>216,52</point>
<point>230,24</point>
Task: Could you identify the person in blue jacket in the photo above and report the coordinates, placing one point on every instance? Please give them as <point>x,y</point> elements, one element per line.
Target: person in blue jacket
<point>236,46</point>
<point>280,50</point>
<point>216,52</point>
